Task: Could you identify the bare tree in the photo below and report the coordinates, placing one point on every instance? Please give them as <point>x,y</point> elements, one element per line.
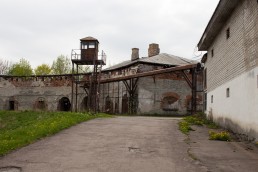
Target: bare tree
<point>4,66</point>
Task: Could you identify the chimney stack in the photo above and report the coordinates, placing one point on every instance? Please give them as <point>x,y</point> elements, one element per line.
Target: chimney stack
<point>135,54</point>
<point>153,50</point>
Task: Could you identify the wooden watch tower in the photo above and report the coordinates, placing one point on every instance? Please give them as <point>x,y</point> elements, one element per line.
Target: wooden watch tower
<point>87,55</point>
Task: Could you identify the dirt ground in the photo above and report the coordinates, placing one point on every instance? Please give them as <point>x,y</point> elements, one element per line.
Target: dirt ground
<point>131,144</point>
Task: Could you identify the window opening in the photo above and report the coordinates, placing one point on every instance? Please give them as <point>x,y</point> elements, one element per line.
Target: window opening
<point>228,33</point>
<point>228,92</point>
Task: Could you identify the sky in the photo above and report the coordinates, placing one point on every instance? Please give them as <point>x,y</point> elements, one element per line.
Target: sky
<point>41,30</point>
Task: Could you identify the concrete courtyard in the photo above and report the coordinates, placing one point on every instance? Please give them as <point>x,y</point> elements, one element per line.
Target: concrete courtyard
<point>131,144</point>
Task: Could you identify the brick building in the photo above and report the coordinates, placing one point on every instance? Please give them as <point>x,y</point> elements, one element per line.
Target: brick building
<point>231,66</point>
<point>159,94</point>
<point>167,93</point>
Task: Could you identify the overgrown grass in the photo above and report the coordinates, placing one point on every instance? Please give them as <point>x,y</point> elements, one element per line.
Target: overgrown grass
<point>18,129</point>
<point>222,136</point>
<point>197,119</point>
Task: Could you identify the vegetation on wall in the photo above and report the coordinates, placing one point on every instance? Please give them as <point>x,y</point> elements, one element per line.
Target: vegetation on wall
<point>4,66</point>
<point>43,69</point>
<point>22,68</point>
<point>62,65</point>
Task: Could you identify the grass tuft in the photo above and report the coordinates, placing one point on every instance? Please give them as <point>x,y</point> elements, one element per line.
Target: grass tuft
<point>18,129</point>
<point>184,127</point>
<point>221,136</point>
<point>197,119</point>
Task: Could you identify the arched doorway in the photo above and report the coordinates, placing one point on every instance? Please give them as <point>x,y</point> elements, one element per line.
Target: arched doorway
<point>125,104</point>
<point>108,105</point>
<point>13,104</point>
<point>84,104</point>
<point>40,104</point>
<point>64,104</point>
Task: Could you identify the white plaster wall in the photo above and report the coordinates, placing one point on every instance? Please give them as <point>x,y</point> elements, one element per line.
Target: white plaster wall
<point>238,112</point>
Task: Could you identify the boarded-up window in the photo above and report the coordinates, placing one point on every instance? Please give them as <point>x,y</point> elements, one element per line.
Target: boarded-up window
<point>170,103</point>
<point>41,104</point>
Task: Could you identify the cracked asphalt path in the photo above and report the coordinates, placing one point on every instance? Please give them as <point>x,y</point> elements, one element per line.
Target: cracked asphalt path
<point>109,144</point>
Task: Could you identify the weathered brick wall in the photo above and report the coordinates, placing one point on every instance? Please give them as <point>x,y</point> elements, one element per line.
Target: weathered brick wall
<point>34,93</point>
<point>168,93</point>
<point>163,94</point>
<point>237,54</point>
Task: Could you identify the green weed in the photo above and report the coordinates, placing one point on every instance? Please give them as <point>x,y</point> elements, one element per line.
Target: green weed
<point>184,127</point>
<point>197,119</point>
<point>222,136</point>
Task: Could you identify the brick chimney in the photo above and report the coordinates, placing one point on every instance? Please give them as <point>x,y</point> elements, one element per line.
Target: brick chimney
<point>153,50</point>
<point>135,54</point>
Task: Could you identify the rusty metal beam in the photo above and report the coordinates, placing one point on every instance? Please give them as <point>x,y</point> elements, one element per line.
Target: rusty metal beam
<point>126,85</point>
<point>187,79</point>
<point>134,84</point>
<point>144,74</point>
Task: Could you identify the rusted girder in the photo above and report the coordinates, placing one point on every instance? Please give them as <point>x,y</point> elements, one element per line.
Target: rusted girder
<point>187,79</point>
<point>131,89</point>
<point>144,74</point>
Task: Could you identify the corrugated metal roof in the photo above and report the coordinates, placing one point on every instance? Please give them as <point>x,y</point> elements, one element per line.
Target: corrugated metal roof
<point>167,59</point>
<point>121,65</point>
<point>161,59</point>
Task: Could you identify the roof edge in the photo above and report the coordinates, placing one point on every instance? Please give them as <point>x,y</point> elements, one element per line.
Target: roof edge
<point>219,17</point>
